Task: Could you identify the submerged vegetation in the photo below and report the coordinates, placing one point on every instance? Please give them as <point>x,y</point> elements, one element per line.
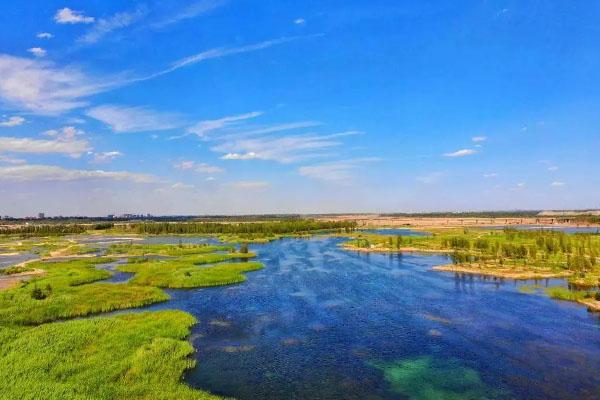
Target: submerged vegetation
<point>426,378</point>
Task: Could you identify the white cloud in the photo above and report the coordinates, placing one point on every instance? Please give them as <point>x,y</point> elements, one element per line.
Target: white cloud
<point>553,168</point>
<point>238,156</point>
<point>25,173</point>
<point>39,86</point>
<point>202,128</point>
<point>490,175</point>
<point>299,21</point>
<point>44,35</point>
<point>191,11</point>
<point>479,138</point>
<point>15,120</point>
<point>37,51</point>
<point>65,133</point>
<point>25,145</point>
<point>557,184</point>
<point>68,16</point>
<point>117,21</point>
<point>521,184</point>
<point>283,149</point>
<point>201,168</point>
<point>106,156</point>
<point>336,171</point>
<point>461,153</point>
<point>11,160</point>
<point>208,169</point>
<point>184,165</point>
<point>134,119</point>
<point>211,178</point>
<point>248,185</point>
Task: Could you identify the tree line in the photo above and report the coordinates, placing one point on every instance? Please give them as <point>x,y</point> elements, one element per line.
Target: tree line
<point>254,228</point>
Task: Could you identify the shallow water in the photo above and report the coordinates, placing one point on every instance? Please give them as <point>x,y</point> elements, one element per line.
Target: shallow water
<point>320,322</point>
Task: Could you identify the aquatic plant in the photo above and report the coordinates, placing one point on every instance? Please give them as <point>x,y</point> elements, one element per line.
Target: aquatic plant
<point>428,378</point>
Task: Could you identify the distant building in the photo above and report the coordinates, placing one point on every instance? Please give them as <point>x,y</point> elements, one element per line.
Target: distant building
<point>41,215</point>
<point>111,216</point>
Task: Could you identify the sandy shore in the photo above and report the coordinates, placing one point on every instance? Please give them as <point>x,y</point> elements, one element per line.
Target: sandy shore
<point>500,273</point>
<point>592,305</point>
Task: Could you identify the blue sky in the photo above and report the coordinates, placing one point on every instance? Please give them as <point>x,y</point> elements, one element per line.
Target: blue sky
<point>234,106</point>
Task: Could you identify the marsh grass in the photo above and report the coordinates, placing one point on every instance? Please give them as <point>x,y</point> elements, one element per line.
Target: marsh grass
<point>72,293</point>
<point>184,271</point>
<point>130,356</point>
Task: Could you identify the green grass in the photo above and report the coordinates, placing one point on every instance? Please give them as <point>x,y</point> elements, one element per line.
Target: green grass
<point>69,292</point>
<point>132,249</point>
<point>186,272</point>
<point>132,356</point>
<point>561,293</point>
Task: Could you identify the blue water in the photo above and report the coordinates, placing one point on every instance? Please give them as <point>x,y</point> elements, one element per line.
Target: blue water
<point>319,322</point>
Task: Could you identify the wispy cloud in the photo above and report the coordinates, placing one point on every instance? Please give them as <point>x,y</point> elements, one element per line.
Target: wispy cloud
<point>11,160</point>
<point>41,87</point>
<point>557,184</point>
<point>107,25</point>
<point>300,21</point>
<point>134,119</point>
<point>490,175</point>
<point>106,157</point>
<point>239,156</point>
<point>201,168</point>
<point>461,153</point>
<point>34,146</point>
<point>221,52</point>
<point>37,51</point>
<point>190,11</point>
<point>203,128</point>
<point>335,171</point>
<point>68,16</point>
<point>477,139</point>
<point>13,121</point>
<point>25,173</point>
<point>553,168</point>
<point>283,149</point>
<point>44,35</point>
